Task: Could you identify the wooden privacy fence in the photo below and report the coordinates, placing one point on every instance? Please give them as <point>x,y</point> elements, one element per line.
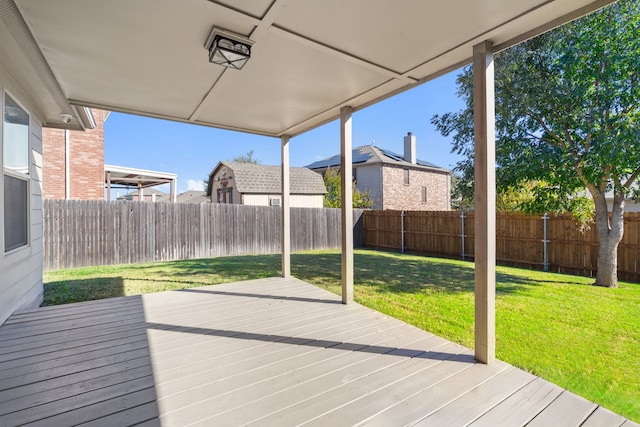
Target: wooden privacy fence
<point>89,233</point>
<point>554,243</point>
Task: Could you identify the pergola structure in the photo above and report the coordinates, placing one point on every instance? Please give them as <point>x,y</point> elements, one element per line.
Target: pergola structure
<point>139,178</point>
<point>312,61</point>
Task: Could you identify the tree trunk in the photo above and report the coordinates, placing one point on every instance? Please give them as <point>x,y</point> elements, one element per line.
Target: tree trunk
<point>610,233</point>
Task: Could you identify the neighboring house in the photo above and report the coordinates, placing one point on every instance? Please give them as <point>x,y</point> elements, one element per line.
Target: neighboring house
<point>148,195</point>
<point>251,184</point>
<point>629,205</point>
<point>193,197</point>
<point>75,161</point>
<point>394,181</point>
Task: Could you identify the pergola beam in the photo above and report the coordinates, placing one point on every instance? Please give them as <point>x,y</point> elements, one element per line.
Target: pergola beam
<point>485,201</point>
<point>346,181</point>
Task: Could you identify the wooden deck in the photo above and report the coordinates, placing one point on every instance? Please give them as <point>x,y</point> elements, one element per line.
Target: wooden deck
<point>266,352</point>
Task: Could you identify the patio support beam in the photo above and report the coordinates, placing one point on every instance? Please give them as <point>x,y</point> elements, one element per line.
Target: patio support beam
<point>485,201</point>
<point>286,212</point>
<point>172,190</point>
<point>108,186</point>
<point>346,199</point>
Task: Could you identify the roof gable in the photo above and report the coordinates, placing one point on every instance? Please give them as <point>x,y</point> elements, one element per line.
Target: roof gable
<point>253,178</point>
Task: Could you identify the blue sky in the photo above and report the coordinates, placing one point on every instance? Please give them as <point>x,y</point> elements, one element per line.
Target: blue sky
<point>193,151</point>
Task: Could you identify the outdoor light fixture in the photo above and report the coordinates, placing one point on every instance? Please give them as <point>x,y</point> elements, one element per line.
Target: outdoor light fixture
<point>66,117</point>
<point>228,49</point>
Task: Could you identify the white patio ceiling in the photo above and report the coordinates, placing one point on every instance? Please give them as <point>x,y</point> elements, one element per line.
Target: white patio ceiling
<point>310,57</point>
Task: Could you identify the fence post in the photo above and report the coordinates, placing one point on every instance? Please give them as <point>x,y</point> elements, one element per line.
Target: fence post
<point>545,262</point>
<point>462,219</point>
<point>402,230</point>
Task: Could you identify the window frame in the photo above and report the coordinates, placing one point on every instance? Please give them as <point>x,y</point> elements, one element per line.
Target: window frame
<point>424,195</point>
<point>26,177</point>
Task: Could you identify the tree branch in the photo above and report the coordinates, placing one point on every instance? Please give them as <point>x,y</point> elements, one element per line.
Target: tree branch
<point>631,179</point>
<point>562,143</point>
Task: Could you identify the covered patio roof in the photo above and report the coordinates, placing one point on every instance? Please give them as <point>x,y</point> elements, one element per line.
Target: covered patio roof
<point>312,61</point>
<point>139,178</point>
<point>310,58</point>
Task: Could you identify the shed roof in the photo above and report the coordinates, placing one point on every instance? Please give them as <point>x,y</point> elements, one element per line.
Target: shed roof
<point>370,154</point>
<point>265,179</point>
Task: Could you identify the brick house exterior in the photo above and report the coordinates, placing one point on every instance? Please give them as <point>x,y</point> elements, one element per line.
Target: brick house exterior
<point>396,182</point>
<point>74,170</point>
<point>427,190</point>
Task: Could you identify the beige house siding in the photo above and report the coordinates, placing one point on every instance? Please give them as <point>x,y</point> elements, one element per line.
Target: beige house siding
<point>296,200</point>
<point>368,178</point>
<point>400,196</point>
<point>21,269</point>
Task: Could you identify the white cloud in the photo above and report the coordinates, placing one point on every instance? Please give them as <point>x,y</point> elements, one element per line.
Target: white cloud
<point>195,185</point>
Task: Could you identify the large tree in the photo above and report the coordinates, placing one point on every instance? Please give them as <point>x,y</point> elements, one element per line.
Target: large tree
<point>567,120</point>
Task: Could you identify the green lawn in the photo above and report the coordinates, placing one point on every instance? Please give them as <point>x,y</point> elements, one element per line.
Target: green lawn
<point>583,338</point>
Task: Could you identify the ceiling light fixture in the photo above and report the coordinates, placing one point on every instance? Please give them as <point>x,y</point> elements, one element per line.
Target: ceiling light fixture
<point>228,49</point>
<point>66,117</point>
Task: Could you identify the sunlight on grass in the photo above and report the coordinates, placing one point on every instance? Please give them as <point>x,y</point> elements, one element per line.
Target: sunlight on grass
<point>583,338</point>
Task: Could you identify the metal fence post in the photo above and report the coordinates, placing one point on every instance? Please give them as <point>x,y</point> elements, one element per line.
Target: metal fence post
<point>545,262</point>
<point>462,219</point>
<point>402,229</point>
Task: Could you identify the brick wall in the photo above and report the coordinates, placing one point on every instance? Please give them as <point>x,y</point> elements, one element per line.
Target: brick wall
<point>86,162</point>
<point>399,196</point>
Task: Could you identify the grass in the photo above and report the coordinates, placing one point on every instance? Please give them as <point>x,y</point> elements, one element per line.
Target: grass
<point>583,338</point>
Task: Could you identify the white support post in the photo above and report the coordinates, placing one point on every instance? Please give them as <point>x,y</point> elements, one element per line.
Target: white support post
<point>485,200</point>
<point>346,182</point>
<point>172,190</point>
<point>286,213</point>
<point>108,186</point>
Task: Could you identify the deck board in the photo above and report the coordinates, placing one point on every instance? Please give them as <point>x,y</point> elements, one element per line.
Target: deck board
<point>264,352</point>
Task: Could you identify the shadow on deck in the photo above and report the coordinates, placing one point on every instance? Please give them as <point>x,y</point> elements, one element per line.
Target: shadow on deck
<point>263,352</point>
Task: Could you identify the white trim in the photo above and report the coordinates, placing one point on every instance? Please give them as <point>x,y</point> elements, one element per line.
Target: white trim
<point>13,255</point>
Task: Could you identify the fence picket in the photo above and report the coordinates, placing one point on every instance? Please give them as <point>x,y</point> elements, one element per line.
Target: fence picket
<point>89,233</point>
<point>519,239</point>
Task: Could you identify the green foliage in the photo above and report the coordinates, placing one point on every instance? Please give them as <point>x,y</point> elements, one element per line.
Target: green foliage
<point>568,116</point>
<point>535,198</point>
<point>461,192</point>
<point>246,158</point>
<point>332,199</point>
<point>567,111</point>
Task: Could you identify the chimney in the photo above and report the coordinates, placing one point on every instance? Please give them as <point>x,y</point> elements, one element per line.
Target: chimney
<point>410,148</point>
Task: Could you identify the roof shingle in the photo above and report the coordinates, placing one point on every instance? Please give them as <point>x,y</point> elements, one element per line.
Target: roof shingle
<point>370,154</point>
<point>251,178</point>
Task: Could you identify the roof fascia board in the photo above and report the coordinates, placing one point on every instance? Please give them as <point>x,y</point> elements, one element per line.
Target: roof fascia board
<point>12,18</point>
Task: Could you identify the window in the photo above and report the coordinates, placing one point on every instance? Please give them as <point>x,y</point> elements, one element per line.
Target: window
<point>354,174</point>
<point>424,194</point>
<point>225,195</point>
<point>406,176</point>
<point>15,155</point>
